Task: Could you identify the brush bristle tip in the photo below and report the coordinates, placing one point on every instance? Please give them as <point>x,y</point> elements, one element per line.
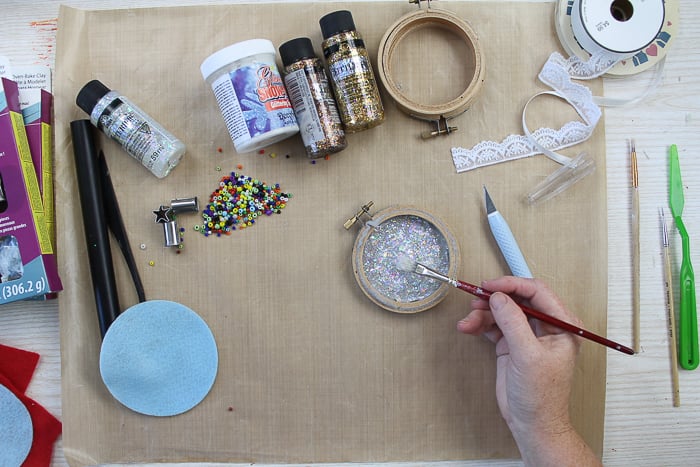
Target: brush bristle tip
<point>405,263</point>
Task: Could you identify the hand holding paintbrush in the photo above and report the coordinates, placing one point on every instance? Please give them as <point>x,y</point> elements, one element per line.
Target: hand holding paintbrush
<point>534,371</point>
<point>406,264</point>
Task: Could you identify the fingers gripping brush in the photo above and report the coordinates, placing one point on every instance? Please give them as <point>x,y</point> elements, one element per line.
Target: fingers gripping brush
<point>406,264</point>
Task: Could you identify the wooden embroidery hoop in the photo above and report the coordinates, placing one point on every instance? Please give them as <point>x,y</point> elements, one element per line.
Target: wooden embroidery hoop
<point>441,112</point>
<point>358,255</point>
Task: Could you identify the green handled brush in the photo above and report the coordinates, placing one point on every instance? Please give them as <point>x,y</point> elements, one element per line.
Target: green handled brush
<point>688,322</point>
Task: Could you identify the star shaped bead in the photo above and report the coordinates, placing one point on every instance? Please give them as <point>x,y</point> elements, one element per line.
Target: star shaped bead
<point>163,214</point>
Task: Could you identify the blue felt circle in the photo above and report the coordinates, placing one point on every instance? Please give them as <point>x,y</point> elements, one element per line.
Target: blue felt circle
<point>159,358</point>
<point>16,429</point>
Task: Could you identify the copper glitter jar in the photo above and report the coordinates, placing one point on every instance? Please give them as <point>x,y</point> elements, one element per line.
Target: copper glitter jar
<point>402,231</point>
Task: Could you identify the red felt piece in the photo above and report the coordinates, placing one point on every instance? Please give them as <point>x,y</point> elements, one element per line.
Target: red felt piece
<point>18,366</point>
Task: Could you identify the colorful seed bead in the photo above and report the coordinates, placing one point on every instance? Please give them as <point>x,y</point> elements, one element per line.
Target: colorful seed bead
<point>238,201</point>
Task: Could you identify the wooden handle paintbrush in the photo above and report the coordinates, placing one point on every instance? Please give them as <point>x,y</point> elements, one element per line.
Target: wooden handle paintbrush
<point>671,314</point>
<point>406,264</point>
<point>635,250</point>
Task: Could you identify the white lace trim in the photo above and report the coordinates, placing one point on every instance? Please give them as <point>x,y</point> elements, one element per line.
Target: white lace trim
<point>517,146</point>
<point>598,64</point>
<point>580,97</point>
<point>555,74</point>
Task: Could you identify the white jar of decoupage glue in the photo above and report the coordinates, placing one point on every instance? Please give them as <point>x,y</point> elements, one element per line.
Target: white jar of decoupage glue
<point>251,94</point>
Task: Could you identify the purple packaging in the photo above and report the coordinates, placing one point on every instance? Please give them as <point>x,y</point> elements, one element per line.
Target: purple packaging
<point>38,123</point>
<point>27,261</point>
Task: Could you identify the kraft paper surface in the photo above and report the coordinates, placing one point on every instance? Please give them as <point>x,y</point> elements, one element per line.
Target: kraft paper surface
<point>310,369</point>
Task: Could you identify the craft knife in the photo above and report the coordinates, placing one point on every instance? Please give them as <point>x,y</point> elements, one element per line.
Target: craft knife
<point>505,239</point>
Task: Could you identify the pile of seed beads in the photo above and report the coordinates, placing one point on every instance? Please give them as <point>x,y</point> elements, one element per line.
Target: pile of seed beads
<point>238,202</point>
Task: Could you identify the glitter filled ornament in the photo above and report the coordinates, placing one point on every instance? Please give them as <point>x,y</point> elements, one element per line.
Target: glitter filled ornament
<point>403,232</point>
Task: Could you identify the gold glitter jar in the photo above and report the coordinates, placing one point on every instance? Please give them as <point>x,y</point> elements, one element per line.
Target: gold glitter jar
<point>349,67</point>
<point>388,237</point>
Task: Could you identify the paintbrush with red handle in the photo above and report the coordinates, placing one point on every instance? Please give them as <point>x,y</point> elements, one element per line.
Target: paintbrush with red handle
<point>406,264</point>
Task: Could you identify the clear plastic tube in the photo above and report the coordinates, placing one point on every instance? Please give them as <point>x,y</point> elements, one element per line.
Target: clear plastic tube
<point>579,167</point>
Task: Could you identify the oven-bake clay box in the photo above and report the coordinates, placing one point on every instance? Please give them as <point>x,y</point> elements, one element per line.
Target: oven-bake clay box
<point>38,123</point>
<point>27,261</point>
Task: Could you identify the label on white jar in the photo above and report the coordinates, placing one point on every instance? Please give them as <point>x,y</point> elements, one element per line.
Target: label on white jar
<point>253,101</point>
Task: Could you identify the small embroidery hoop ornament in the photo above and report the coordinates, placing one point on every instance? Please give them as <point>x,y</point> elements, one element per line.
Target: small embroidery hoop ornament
<point>358,253</point>
<point>439,114</point>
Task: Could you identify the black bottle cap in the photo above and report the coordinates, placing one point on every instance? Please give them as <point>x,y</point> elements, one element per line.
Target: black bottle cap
<point>336,22</point>
<point>90,95</point>
<point>296,49</point>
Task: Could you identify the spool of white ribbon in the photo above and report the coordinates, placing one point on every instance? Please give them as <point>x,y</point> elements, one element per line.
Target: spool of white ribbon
<point>619,28</point>
<point>611,31</point>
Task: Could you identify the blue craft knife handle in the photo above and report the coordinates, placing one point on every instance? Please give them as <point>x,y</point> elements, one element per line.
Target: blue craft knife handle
<point>688,323</point>
<point>508,246</point>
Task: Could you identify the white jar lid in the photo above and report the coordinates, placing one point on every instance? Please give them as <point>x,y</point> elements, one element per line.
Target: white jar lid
<point>235,52</point>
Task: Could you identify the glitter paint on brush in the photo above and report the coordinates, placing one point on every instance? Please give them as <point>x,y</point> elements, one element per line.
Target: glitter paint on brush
<point>396,232</point>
